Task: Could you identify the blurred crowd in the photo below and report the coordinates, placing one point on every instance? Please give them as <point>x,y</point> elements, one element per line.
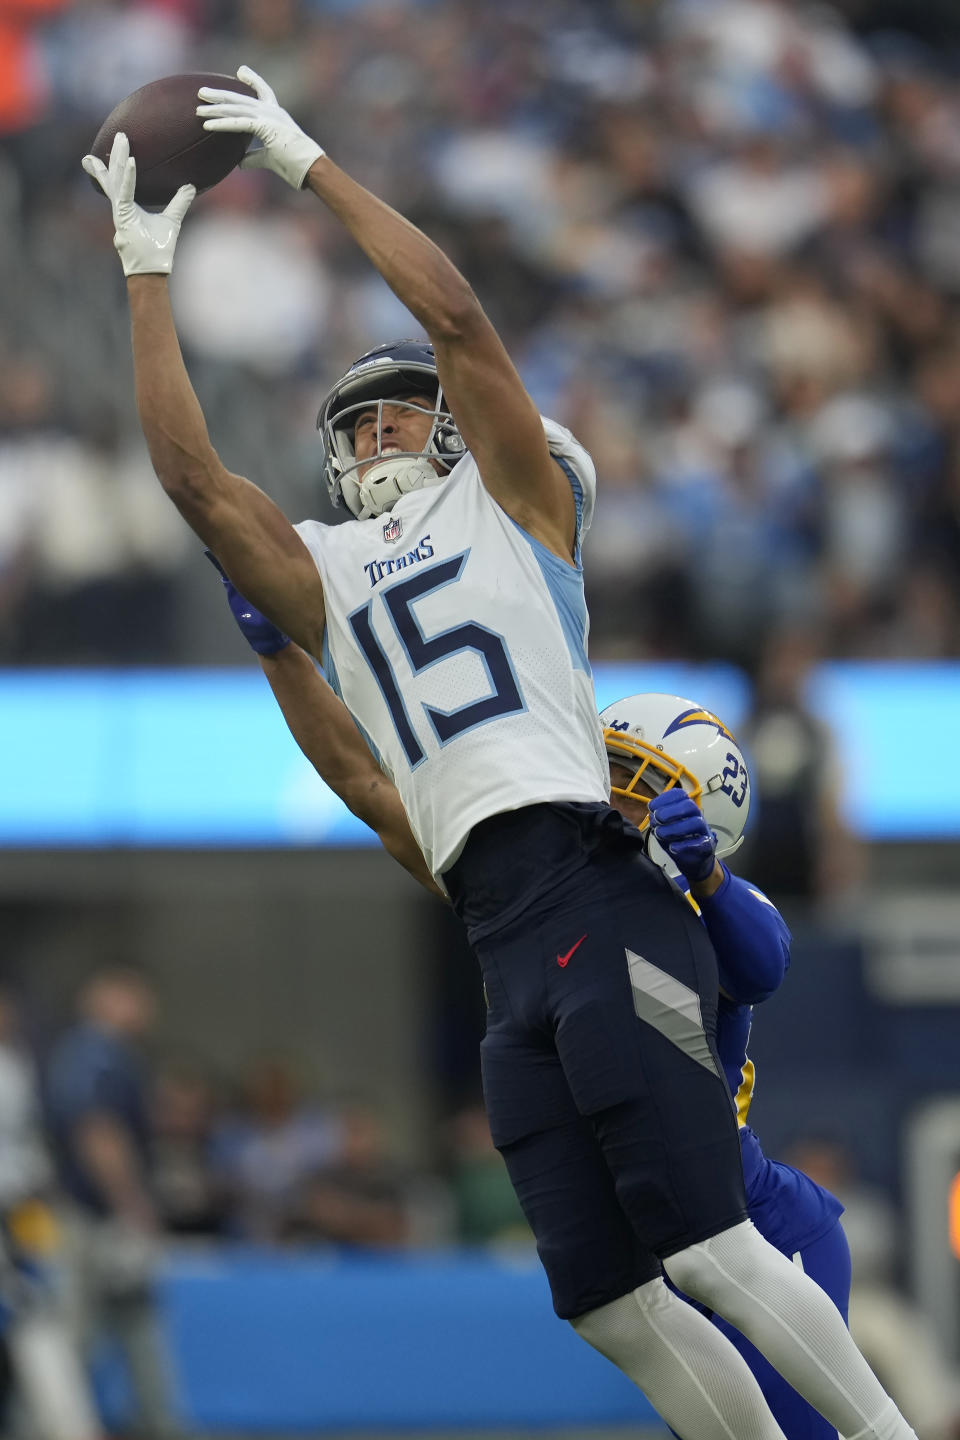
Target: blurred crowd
<point>160,1144</point>
<point>113,1154</point>
<point>721,239</point>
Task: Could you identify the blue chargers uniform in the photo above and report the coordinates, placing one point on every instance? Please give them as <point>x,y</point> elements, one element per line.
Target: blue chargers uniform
<point>799,1217</point>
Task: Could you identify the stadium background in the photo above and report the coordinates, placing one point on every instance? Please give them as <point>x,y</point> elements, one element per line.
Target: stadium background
<point>721,239</point>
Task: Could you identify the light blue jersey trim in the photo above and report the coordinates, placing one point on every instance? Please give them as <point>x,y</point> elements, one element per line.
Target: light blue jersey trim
<point>333,680</point>
<point>328,667</point>
<point>577,489</point>
<point>564,582</point>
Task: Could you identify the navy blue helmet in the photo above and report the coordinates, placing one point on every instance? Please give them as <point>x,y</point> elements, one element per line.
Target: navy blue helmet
<point>398,370</point>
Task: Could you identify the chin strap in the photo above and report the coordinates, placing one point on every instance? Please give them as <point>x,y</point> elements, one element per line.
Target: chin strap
<point>384,483</point>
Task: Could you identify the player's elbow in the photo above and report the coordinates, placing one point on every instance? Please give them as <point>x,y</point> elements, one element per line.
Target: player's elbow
<point>756,976</point>
<point>458,316</point>
<point>190,479</point>
<point>185,489</point>
<point>756,994</point>
<point>184,460</point>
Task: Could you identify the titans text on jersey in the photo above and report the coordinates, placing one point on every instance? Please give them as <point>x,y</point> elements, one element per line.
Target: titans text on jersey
<point>376,569</point>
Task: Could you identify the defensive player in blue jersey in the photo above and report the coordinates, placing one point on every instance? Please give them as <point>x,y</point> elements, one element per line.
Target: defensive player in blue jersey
<point>679,775</point>
<point>465,663</point>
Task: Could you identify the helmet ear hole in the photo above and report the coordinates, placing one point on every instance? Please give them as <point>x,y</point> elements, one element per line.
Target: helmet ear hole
<point>449,442</point>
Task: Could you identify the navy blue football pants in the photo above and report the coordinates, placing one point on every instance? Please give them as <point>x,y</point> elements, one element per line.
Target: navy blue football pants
<point>600,1075</point>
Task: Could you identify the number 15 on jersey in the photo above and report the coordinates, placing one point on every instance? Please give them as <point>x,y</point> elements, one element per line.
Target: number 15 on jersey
<point>423,651</point>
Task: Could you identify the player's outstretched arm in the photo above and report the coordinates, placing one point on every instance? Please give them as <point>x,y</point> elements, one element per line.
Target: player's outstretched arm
<point>495,415</point>
<point>230,514</point>
<point>498,420</point>
<point>324,729</point>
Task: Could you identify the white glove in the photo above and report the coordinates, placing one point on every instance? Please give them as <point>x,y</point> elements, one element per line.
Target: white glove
<point>144,242</point>
<point>287,151</point>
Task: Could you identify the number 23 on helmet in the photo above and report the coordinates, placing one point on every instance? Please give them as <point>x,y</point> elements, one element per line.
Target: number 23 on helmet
<point>656,741</point>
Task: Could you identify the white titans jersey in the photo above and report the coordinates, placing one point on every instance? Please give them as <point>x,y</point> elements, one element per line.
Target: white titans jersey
<point>460,645</point>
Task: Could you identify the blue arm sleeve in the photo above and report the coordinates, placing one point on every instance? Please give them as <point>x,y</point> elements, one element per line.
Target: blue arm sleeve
<point>750,937</point>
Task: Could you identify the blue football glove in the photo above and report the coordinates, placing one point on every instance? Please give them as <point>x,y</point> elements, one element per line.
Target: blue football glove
<point>679,828</point>
<point>260,633</point>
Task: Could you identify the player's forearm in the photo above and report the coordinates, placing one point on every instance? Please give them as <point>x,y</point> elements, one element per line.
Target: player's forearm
<point>395,834</point>
<point>317,720</point>
<point>170,414</point>
<point>417,271</point>
<point>325,732</point>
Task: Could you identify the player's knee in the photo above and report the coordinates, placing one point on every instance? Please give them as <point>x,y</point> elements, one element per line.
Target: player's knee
<point>693,1273</point>
<point>599,1327</point>
<point>621,1329</point>
<point>705,1270</point>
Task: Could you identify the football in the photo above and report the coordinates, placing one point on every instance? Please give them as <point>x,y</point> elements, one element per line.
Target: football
<point>167,138</point>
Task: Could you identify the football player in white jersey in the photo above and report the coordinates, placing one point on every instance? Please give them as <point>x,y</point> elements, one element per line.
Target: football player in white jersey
<point>466,667</point>
<point>679,756</point>
<point>678,774</point>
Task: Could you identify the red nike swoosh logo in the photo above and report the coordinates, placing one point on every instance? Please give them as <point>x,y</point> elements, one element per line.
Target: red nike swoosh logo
<point>562,960</point>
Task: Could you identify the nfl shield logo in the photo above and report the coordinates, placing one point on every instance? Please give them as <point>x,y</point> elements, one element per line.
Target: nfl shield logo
<point>392,529</point>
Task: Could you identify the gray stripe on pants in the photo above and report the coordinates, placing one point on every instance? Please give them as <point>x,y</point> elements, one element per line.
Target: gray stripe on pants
<point>670,1007</point>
